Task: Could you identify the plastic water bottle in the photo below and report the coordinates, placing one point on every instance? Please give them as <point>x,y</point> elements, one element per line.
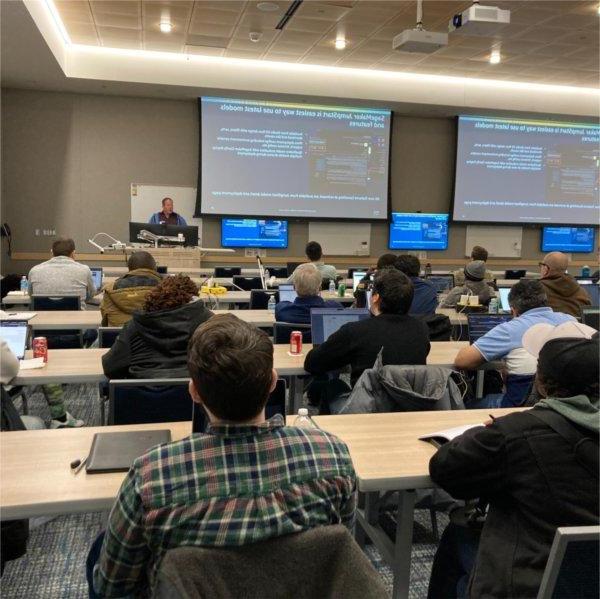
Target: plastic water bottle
<point>303,420</point>
<point>585,271</point>
<point>24,287</point>
<point>271,304</point>
<point>493,307</point>
<point>267,274</point>
<point>331,286</point>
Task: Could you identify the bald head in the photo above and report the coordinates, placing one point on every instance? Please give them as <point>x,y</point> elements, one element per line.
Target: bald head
<point>557,263</point>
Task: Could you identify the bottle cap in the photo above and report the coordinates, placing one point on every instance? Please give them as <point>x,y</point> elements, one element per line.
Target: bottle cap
<point>303,412</point>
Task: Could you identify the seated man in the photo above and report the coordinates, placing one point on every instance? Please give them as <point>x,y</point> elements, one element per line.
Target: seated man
<point>307,283</point>
<point>404,339</point>
<point>425,300</point>
<point>128,293</point>
<point>61,275</point>
<point>245,480</point>
<point>477,253</point>
<point>474,285</point>
<point>314,253</point>
<point>153,344</point>
<point>564,293</point>
<point>537,469</point>
<point>529,306</point>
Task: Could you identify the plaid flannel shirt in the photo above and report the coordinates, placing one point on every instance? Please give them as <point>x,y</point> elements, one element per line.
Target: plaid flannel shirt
<point>232,486</point>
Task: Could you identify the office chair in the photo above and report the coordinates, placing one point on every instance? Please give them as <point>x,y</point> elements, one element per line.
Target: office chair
<point>247,283</point>
<point>60,338</point>
<point>226,272</point>
<point>259,299</point>
<point>142,401</point>
<point>279,272</point>
<point>572,570</point>
<point>283,330</point>
<point>515,274</point>
<point>108,335</point>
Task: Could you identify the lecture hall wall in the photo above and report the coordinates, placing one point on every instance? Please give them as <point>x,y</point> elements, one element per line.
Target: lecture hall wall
<point>68,161</point>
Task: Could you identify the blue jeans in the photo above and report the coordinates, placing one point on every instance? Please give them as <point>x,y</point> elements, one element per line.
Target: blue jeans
<point>92,559</point>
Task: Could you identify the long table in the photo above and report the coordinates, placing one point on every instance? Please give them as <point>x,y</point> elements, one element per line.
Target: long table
<point>388,456</point>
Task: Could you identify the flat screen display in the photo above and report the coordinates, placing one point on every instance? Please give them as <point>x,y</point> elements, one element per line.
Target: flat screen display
<point>278,159</point>
<point>568,239</point>
<point>246,232</point>
<point>416,231</point>
<point>526,171</point>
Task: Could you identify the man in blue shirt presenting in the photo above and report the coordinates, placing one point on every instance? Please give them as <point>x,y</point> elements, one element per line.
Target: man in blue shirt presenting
<point>166,216</point>
<point>529,306</point>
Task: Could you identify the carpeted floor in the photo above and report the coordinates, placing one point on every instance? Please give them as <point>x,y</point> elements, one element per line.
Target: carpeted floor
<point>54,567</point>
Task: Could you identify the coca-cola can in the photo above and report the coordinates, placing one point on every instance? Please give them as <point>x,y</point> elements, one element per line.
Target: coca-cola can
<point>40,348</point>
<point>296,342</point>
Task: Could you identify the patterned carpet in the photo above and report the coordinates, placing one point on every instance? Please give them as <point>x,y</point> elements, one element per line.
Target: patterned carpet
<point>54,567</point>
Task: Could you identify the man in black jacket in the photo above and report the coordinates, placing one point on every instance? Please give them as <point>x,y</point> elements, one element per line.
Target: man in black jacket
<point>538,470</point>
<point>405,340</point>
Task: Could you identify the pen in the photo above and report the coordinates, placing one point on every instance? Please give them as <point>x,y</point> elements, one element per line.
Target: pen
<point>77,465</point>
<point>492,417</point>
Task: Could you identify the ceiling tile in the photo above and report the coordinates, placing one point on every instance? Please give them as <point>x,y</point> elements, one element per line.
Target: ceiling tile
<point>310,25</point>
<point>207,40</point>
<point>116,20</point>
<point>322,10</point>
<point>108,34</point>
<point>200,28</point>
<point>127,8</point>
<point>204,50</point>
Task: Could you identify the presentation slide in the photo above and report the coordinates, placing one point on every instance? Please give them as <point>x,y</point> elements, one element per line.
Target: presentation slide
<point>526,171</point>
<point>261,158</point>
<point>416,231</point>
<point>247,233</point>
<point>568,239</point>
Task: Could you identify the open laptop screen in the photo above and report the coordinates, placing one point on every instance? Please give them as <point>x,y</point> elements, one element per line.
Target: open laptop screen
<point>442,283</point>
<point>326,321</point>
<point>480,324</point>
<point>14,332</point>
<point>504,291</point>
<point>97,277</point>
<point>287,293</point>
<point>357,277</point>
<point>593,290</point>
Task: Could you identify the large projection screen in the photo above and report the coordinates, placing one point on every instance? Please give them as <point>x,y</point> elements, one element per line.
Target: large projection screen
<point>263,158</point>
<point>526,171</point>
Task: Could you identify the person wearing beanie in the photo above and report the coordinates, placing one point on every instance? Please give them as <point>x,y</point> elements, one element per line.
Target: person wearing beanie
<point>477,253</point>
<point>564,293</point>
<point>537,470</point>
<point>474,285</point>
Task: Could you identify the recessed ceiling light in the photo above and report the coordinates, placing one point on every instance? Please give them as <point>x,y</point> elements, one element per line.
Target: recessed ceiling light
<point>267,6</point>
<point>495,57</point>
<point>165,26</point>
<point>340,43</point>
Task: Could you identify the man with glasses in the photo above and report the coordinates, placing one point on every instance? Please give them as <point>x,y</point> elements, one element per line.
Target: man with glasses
<point>564,293</point>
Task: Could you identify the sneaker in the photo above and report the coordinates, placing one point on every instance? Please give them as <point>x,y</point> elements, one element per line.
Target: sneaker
<point>70,422</point>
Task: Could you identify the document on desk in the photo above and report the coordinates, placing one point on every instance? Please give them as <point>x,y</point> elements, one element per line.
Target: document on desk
<point>31,363</point>
<point>440,437</point>
<point>16,315</point>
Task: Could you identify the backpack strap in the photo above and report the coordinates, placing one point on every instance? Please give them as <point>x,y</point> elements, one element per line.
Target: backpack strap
<point>585,446</point>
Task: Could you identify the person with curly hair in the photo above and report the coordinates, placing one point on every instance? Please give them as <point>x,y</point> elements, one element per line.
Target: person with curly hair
<point>153,344</point>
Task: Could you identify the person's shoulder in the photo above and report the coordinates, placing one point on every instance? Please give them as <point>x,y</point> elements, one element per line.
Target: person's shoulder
<point>330,303</point>
<point>323,445</point>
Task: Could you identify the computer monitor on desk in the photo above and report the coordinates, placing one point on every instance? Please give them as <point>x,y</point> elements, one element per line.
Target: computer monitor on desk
<point>326,321</point>
<point>189,232</point>
<point>136,228</point>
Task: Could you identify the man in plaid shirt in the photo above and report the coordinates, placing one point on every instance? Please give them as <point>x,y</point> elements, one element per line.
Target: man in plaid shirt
<point>246,480</point>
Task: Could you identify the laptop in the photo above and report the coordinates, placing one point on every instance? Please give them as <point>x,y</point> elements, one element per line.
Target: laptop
<point>504,305</point>
<point>326,321</point>
<point>591,317</point>
<point>15,333</point>
<point>357,277</point>
<point>592,289</point>
<point>442,283</point>
<point>480,324</point>
<point>287,293</point>
<point>97,277</point>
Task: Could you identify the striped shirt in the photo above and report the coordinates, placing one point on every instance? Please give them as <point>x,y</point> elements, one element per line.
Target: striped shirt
<point>232,486</point>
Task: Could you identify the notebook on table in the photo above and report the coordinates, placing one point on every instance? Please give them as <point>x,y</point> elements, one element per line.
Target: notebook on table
<point>440,437</point>
<point>115,452</point>
<point>326,321</point>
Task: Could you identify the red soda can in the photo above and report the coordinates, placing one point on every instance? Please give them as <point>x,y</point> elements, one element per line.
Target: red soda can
<point>296,342</point>
<point>40,348</point>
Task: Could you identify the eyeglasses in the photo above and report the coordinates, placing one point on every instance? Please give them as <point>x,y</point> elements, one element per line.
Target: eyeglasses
<point>542,264</point>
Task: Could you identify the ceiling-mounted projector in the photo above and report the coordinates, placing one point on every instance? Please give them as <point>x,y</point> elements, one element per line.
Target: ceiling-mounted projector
<point>419,39</point>
<point>479,20</point>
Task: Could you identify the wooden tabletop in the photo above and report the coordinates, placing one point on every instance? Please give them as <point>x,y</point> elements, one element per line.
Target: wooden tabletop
<point>385,448</point>
<point>70,366</point>
<point>37,478</point>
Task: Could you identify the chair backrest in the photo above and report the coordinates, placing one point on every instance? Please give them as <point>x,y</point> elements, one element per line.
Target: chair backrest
<point>247,283</point>
<point>281,272</point>
<point>162,270</point>
<point>224,272</point>
<point>148,400</point>
<point>259,299</point>
<point>438,326</point>
<point>283,330</point>
<point>283,566</point>
<point>572,568</point>
<point>55,302</point>
<point>107,336</point>
<point>291,267</point>
<point>514,274</point>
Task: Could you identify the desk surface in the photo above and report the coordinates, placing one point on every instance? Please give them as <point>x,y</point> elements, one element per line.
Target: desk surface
<point>70,366</point>
<point>385,448</point>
